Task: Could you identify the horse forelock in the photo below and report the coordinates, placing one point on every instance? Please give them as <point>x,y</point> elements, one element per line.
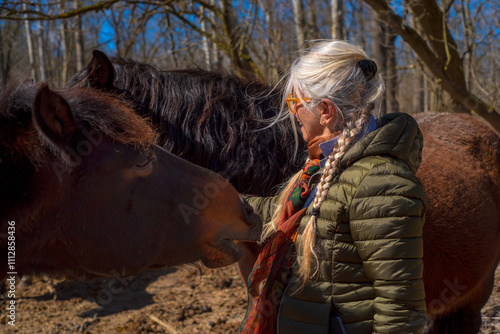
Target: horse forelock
<point>113,117</point>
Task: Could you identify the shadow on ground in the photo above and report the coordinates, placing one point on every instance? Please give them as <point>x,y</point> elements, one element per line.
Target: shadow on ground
<point>112,295</point>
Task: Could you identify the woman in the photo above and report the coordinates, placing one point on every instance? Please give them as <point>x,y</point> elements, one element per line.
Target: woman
<point>343,249</point>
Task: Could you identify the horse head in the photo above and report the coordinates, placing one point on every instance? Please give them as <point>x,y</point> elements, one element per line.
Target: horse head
<point>92,193</point>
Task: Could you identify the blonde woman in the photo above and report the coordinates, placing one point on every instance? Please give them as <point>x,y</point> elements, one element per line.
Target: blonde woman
<point>343,243</point>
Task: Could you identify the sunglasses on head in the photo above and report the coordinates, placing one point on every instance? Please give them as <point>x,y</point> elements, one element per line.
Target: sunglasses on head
<point>291,100</point>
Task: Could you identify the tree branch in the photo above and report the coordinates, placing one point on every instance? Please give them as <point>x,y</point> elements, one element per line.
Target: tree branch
<point>34,15</point>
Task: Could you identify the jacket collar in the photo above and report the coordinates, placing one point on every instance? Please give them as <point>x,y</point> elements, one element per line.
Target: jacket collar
<point>327,147</point>
<point>397,135</point>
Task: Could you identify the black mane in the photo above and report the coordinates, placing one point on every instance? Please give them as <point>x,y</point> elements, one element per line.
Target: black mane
<point>215,120</point>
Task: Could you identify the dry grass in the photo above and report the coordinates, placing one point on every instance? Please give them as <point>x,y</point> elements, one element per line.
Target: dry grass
<point>491,311</point>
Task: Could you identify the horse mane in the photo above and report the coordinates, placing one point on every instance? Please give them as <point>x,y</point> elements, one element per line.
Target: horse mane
<point>214,119</point>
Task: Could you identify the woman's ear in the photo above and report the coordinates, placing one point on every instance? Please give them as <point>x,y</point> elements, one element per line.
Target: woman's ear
<point>328,112</point>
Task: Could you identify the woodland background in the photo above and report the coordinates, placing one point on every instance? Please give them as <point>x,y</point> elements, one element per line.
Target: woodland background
<point>434,55</point>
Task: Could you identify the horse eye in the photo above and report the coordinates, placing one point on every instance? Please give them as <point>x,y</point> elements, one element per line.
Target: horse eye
<point>146,163</point>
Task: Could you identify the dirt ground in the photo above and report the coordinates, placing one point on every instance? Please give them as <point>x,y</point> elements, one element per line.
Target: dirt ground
<point>183,300</point>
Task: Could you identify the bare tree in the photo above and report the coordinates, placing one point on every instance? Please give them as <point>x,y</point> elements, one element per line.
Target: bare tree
<point>230,34</point>
<point>439,53</point>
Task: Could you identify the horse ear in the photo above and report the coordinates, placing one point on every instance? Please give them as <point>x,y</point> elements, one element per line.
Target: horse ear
<point>53,117</point>
<point>100,71</point>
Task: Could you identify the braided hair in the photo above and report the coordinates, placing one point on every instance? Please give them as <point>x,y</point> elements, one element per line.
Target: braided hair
<point>342,73</point>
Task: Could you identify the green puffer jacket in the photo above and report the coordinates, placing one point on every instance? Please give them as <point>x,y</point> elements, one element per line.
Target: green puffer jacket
<point>370,240</point>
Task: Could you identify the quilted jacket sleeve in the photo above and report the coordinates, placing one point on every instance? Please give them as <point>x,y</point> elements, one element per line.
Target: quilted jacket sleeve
<point>262,206</point>
<point>387,216</point>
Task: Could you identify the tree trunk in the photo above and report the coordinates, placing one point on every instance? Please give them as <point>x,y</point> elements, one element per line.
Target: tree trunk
<point>300,23</point>
<point>41,43</point>
<point>204,40</point>
<point>384,51</point>
<point>64,47</point>
<point>234,41</point>
<point>79,43</point>
<point>29,41</point>
<point>359,11</point>
<point>469,33</point>
<point>379,52</point>
<point>312,32</point>
<point>419,95</point>
<point>272,38</point>
<point>391,72</point>
<point>337,27</point>
<point>214,50</point>
<point>432,23</point>
<point>428,14</point>
<point>419,103</point>
<point>41,55</point>
<point>8,36</point>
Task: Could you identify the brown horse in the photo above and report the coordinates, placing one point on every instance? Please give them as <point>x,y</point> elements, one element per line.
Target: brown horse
<point>460,172</point>
<point>86,192</point>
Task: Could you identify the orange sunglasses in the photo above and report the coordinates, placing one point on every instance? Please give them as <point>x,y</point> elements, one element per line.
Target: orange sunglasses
<point>290,101</point>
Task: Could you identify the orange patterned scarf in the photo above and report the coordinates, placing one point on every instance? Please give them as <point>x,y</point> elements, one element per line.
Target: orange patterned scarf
<point>271,271</point>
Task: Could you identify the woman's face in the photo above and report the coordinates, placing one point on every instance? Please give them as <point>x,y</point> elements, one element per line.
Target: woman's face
<point>309,120</point>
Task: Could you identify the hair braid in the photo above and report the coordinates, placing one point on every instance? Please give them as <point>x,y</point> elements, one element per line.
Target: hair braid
<point>307,245</point>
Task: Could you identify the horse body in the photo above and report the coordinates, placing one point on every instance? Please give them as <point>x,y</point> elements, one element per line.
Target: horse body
<point>459,172</point>
<point>85,191</point>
